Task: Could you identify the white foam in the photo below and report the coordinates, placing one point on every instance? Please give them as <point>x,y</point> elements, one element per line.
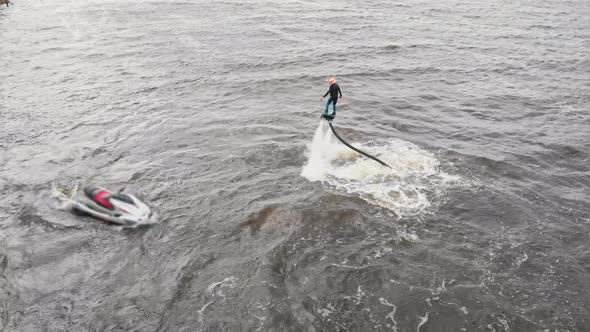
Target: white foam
<point>382,252</point>
<point>423,321</point>
<point>63,195</point>
<point>391,315</point>
<point>504,323</point>
<point>358,297</point>
<point>202,310</point>
<point>438,290</point>
<point>227,282</point>
<point>413,184</point>
<point>216,288</point>
<point>327,311</point>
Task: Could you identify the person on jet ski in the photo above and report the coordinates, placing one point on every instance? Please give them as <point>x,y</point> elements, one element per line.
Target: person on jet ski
<point>333,91</point>
<point>118,208</point>
<point>103,197</point>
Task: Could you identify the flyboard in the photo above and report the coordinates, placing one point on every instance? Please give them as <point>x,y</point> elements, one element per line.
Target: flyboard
<point>329,119</point>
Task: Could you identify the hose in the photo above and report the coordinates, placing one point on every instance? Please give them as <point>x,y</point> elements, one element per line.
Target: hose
<point>355,149</point>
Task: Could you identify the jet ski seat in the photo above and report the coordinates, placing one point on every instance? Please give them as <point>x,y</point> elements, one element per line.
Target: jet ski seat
<point>99,196</point>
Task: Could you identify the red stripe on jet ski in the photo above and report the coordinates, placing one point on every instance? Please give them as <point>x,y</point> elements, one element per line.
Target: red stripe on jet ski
<point>100,199</point>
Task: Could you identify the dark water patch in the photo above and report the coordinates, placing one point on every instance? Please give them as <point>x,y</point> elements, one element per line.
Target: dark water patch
<point>391,47</point>
<point>496,169</point>
<point>542,26</point>
<point>29,217</point>
<point>274,156</point>
<point>570,158</point>
<point>254,222</point>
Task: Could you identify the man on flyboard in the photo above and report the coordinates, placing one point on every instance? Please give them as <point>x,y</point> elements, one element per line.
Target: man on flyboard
<point>334,92</point>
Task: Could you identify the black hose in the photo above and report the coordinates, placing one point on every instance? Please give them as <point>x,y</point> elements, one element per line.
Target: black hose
<point>355,149</point>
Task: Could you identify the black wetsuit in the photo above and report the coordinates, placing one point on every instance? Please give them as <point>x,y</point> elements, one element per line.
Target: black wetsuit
<point>333,91</point>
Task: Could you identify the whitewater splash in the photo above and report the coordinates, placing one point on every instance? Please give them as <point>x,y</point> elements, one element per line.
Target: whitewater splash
<point>414,184</point>
<point>320,154</point>
<point>63,195</point>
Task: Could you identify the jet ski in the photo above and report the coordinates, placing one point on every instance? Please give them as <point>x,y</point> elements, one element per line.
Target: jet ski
<point>121,209</point>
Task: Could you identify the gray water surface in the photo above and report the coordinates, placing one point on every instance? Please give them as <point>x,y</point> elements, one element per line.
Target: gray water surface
<point>207,109</point>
